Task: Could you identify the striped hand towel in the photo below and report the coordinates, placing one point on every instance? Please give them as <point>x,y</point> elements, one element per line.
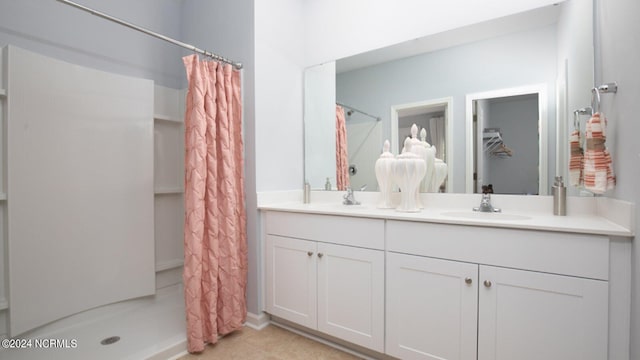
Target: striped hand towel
<point>598,167</point>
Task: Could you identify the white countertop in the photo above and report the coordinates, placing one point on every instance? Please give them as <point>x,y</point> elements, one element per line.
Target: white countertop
<point>599,216</point>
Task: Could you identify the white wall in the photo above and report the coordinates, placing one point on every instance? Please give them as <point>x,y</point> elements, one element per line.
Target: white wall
<point>338,28</point>
<point>60,31</point>
<point>279,43</point>
<point>617,59</point>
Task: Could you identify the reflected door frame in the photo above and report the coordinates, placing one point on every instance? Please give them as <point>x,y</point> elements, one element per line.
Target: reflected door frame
<point>543,128</point>
<point>447,102</point>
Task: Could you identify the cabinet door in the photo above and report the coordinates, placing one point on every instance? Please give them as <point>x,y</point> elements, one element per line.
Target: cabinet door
<point>432,308</point>
<point>528,315</point>
<point>291,279</point>
<point>351,294</point>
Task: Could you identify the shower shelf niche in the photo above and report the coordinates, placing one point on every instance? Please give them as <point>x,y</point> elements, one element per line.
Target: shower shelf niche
<point>168,132</point>
<point>167,118</point>
<point>3,93</point>
<point>3,196</point>
<point>166,191</point>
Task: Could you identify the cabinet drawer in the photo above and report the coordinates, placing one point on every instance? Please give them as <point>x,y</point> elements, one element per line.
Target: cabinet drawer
<point>360,232</point>
<point>559,253</point>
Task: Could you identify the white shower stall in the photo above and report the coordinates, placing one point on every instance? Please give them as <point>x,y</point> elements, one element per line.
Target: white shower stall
<point>91,198</point>
<point>79,188</point>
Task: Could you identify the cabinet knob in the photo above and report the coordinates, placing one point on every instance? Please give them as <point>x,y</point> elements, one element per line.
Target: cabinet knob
<point>468,280</point>
<point>309,253</point>
<point>487,283</point>
<point>320,255</point>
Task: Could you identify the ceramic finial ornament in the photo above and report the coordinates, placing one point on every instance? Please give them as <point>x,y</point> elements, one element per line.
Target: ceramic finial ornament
<point>384,174</point>
<point>418,149</point>
<point>408,170</point>
<point>423,138</point>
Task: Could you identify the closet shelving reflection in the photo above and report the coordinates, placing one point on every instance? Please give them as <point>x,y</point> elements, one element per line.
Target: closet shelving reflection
<point>494,144</point>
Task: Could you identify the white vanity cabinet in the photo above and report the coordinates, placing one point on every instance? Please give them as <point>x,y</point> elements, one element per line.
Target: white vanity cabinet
<point>291,279</point>
<point>327,273</point>
<point>530,315</point>
<point>432,308</point>
<point>495,294</point>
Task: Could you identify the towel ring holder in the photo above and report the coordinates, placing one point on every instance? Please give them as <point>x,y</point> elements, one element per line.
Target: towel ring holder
<point>576,116</point>
<point>602,89</point>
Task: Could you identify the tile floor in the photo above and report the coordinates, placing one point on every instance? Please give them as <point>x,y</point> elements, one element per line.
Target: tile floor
<point>270,343</point>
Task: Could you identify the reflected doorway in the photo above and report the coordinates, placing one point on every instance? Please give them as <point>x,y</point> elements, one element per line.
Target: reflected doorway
<point>507,141</point>
<point>435,117</point>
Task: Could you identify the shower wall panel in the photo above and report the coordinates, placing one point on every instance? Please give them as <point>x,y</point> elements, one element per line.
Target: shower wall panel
<point>80,189</point>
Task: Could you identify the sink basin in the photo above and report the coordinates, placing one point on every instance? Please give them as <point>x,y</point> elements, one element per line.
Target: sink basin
<point>484,215</point>
<point>337,206</point>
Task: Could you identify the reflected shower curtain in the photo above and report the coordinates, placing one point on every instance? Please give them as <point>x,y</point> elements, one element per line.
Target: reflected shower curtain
<point>342,160</point>
<point>215,248</point>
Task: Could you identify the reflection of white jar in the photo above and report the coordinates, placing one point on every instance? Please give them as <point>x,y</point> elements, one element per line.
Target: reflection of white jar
<point>430,157</point>
<point>441,174</point>
<point>384,172</point>
<point>408,171</point>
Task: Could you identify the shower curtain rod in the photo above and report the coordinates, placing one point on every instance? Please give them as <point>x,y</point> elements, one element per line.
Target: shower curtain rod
<point>235,64</point>
<point>360,111</point>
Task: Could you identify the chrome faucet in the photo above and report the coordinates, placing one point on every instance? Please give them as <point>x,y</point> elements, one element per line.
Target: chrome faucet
<point>349,198</point>
<point>485,205</point>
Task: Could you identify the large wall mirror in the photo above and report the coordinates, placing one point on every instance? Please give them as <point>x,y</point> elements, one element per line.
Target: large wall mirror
<point>440,83</point>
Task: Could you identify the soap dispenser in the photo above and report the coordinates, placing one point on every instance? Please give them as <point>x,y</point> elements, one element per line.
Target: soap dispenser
<point>306,197</point>
<point>559,197</point>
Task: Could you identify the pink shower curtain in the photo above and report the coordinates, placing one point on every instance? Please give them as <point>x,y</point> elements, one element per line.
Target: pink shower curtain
<point>342,160</point>
<point>215,248</point>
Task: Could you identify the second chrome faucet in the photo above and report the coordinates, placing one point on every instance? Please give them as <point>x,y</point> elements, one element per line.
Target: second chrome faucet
<point>349,198</point>
<point>485,205</point>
